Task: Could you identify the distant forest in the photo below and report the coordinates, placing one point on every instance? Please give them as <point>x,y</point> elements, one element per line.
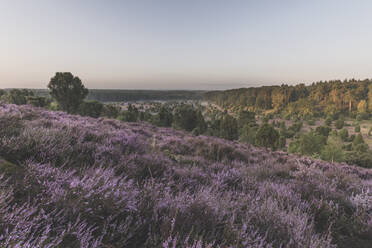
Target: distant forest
<point>318,99</point>
<point>135,95</point>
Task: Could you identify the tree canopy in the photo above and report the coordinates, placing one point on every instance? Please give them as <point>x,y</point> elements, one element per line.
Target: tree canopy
<point>68,91</point>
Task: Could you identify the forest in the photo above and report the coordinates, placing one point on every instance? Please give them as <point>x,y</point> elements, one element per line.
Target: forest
<point>348,97</point>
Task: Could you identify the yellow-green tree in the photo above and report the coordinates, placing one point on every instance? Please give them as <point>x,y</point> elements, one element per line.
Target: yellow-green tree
<point>362,106</point>
<point>370,97</point>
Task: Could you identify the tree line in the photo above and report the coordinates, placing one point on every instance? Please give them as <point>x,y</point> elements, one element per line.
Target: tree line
<point>322,98</point>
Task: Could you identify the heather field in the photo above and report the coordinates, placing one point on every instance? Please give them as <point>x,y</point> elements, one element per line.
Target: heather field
<point>71,181</point>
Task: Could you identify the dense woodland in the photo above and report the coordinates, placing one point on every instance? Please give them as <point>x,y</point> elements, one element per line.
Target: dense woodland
<point>318,99</point>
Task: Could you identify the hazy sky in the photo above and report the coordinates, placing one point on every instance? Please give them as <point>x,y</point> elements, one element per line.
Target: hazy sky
<point>184,44</point>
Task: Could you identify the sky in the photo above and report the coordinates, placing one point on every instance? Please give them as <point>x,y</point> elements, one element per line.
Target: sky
<point>184,44</point>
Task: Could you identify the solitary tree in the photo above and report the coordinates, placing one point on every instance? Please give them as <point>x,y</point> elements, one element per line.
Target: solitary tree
<point>67,90</point>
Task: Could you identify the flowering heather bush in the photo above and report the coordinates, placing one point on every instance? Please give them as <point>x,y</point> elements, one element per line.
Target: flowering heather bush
<point>71,181</point>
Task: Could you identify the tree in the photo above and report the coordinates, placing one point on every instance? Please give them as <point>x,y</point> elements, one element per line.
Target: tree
<point>328,121</point>
<point>90,108</point>
<point>283,130</point>
<point>358,140</point>
<point>370,97</point>
<point>68,91</point>
<point>357,129</point>
<point>164,118</point>
<point>332,153</point>
<point>267,137</point>
<point>344,134</point>
<point>339,123</point>
<point>308,144</point>
<point>246,117</point>
<point>282,142</point>
<point>131,115</point>
<point>362,106</point>
<point>185,117</point>
<point>229,128</point>
<point>2,92</point>
<point>248,134</point>
<point>110,111</point>
<point>37,101</point>
<point>323,130</point>
<point>201,125</point>
<point>19,97</point>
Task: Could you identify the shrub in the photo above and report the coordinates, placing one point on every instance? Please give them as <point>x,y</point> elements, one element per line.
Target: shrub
<point>339,123</point>
<point>357,129</point>
<point>323,130</point>
<point>344,134</point>
<point>110,111</point>
<point>37,101</point>
<point>328,121</point>
<point>311,122</point>
<point>91,108</point>
<point>267,137</point>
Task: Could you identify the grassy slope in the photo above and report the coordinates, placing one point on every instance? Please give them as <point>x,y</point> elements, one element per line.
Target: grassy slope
<point>102,183</point>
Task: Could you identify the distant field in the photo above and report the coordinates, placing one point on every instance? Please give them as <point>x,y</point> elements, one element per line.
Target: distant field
<point>136,95</point>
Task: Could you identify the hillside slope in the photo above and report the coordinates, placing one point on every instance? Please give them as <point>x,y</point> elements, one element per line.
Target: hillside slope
<point>70,181</point>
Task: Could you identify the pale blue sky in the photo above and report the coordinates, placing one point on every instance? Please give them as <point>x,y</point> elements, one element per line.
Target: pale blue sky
<point>188,44</point>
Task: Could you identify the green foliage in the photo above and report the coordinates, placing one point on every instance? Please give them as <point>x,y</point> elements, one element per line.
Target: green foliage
<point>339,123</point>
<point>68,91</point>
<point>229,128</point>
<point>267,137</point>
<point>19,97</point>
<point>282,129</point>
<point>358,140</point>
<point>344,134</point>
<point>359,154</point>
<point>357,129</point>
<point>329,98</point>
<point>185,117</point>
<point>37,101</point>
<point>248,134</point>
<point>308,144</point>
<point>147,116</point>
<point>292,130</point>
<point>164,117</point>
<point>323,130</point>
<point>328,121</point>
<point>333,151</point>
<point>90,108</point>
<point>363,159</point>
<point>370,131</point>
<point>282,141</point>
<point>296,127</point>
<point>131,115</point>
<point>110,111</point>
<point>246,118</point>
<point>310,122</point>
